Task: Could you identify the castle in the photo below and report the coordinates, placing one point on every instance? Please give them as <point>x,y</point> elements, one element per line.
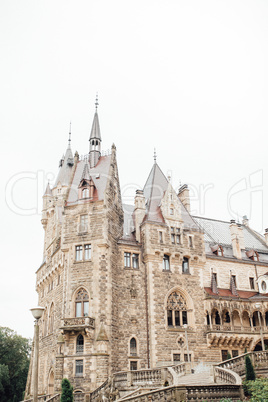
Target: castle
<point>127,287</point>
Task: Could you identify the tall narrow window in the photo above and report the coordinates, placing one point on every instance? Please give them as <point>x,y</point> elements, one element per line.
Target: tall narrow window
<point>85,192</point>
<point>215,277</point>
<point>191,241</point>
<point>178,236</point>
<point>127,260</point>
<point>82,304</point>
<point>79,368</point>
<point>234,280</point>
<point>251,283</point>
<point>51,319</point>
<point>161,237</point>
<point>177,319</point>
<point>166,266</point>
<point>172,235</point>
<point>87,251</point>
<point>135,261</point>
<point>80,344</point>
<point>83,223</point>
<point>133,347</point>
<point>169,318</point>
<point>185,265</point>
<point>78,253</point>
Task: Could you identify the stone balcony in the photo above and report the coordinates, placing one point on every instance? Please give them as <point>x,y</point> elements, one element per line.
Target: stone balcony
<point>77,324</point>
<point>216,328</point>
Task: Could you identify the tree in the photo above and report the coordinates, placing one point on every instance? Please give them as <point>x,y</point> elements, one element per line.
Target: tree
<point>14,364</point>
<point>66,391</point>
<point>250,373</point>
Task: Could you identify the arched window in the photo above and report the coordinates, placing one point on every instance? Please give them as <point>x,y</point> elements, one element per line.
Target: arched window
<point>45,323</point>
<point>217,318</point>
<point>51,319</point>
<point>82,303</point>
<point>176,310</point>
<point>80,344</point>
<point>133,347</point>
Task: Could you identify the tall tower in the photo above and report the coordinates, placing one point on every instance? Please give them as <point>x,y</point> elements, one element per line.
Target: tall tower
<point>95,139</point>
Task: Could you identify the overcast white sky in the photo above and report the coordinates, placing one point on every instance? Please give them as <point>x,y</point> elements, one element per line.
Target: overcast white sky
<point>186,77</point>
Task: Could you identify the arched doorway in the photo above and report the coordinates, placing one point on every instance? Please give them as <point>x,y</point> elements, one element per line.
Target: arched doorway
<point>51,383</point>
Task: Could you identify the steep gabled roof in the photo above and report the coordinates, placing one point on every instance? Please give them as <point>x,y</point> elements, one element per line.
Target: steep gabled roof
<point>216,231</point>
<point>99,175</point>
<point>154,189</point>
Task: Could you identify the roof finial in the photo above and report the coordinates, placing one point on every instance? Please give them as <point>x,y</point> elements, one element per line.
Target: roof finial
<point>154,155</point>
<point>70,132</point>
<point>96,102</point>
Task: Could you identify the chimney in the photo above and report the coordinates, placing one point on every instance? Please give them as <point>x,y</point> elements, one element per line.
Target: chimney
<point>266,236</point>
<point>235,236</point>
<point>241,236</point>
<point>184,196</point>
<point>245,220</point>
<point>139,212</point>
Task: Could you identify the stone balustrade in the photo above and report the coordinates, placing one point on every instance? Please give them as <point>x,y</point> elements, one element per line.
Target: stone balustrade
<point>98,391</point>
<point>180,369</point>
<point>237,364</point>
<point>45,398</point>
<point>235,329</point>
<point>225,376</point>
<point>214,392</point>
<point>123,380</point>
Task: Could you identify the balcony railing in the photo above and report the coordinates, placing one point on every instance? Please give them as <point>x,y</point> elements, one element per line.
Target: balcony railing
<point>77,323</point>
<point>236,329</point>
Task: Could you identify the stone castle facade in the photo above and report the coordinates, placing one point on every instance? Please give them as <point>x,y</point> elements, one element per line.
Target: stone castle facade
<point>128,287</point>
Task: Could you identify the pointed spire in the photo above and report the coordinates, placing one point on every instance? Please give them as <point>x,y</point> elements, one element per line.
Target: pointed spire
<point>48,190</point>
<point>96,103</point>
<point>95,138</point>
<point>155,155</point>
<point>70,132</point>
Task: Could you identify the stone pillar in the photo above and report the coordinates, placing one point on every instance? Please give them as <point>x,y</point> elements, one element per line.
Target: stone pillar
<point>58,373</point>
<point>139,212</point>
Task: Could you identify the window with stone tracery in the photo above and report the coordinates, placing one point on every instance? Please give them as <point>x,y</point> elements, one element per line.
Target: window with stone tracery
<point>176,310</point>
<point>82,303</point>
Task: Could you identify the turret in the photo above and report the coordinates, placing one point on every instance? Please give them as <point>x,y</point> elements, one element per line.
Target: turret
<point>95,139</point>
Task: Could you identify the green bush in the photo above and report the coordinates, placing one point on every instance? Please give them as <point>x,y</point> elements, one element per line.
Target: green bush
<point>250,373</point>
<point>257,390</point>
<point>66,391</point>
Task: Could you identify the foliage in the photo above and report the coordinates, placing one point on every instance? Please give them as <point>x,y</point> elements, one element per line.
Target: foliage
<point>66,391</point>
<point>14,364</point>
<point>250,373</point>
<point>228,356</point>
<point>257,390</point>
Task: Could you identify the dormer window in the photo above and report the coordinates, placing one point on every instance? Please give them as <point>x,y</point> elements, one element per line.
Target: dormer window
<point>86,189</point>
<point>253,255</point>
<point>217,250</point>
<point>171,211</point>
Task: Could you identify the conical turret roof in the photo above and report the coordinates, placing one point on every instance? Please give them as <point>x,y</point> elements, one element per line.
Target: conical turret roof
<point>95,130</point>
